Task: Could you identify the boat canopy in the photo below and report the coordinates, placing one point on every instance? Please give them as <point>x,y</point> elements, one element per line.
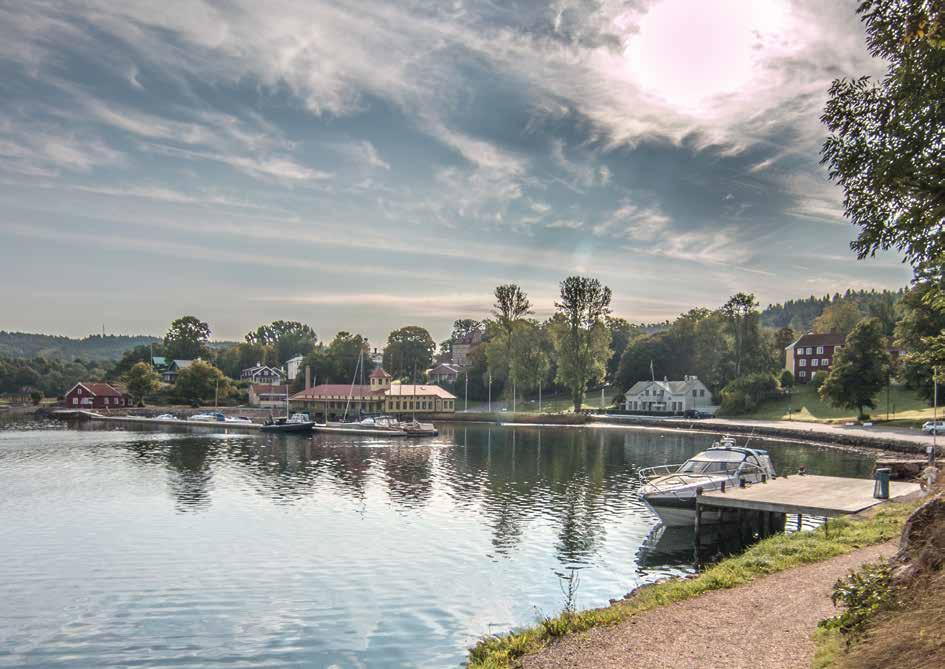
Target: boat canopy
<point>723,460</point>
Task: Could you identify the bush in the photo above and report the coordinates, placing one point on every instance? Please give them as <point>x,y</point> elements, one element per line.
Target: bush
<point>787,379</point>
<point>862,594</point>
<point>37,396</point>
<point>817,380</point>
<point>745,393</point>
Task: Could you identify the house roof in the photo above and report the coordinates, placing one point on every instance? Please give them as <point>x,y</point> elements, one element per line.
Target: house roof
<point>670,387</point>
<point>259,368</point>
<point>409,390</point>
<point>98,389</point>
<point>470,338</point>
<point>379,373</point>
<point>446,368</point>
<point>297,356</point>
<point>182,364</point>
<point>326,390</point>
<point>811,339</point>
<point>158,360</point>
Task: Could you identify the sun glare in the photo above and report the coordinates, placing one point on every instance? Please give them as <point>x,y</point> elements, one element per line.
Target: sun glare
<point>688,52</point>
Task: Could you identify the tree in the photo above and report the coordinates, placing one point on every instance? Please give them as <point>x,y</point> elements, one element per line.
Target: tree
<point>787,379</point>
<point>859,369</point>
<point>783,338</point>
<point>133,356</point>
<point>142,380</point>
<point>580,336</point>
<point>409,349</point>
<point>511,305</point>
<point>919,332</point>
<point>743,394</point>
<point>36,396</point>
<point>739,310</point>
<point>621,332</point>
<point>839,318</point>
<point>286,339</point>
<point>200,382</point>
<point>529,364</point>
<point>886,137</point>
<point>187,339</point>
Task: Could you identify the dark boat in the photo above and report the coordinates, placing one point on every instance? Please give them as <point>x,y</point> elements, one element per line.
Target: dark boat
<point>298,423</point>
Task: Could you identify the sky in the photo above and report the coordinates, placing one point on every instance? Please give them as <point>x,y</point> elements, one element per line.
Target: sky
<point>362,166</point>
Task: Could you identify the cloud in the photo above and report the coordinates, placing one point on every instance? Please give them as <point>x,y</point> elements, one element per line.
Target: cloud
<point>630,221</point>
<point>362,153</point>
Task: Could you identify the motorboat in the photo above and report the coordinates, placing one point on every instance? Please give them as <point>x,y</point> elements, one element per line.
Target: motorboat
<point>242,420</point>
<point>670,490</point>
<point>372,425</point>
<point>215,417</point>
<point>166,416</point>
<point>415,428</point>
<point>297,423</point>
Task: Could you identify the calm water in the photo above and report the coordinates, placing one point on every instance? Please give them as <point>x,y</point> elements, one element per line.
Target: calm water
<point>203,549</point>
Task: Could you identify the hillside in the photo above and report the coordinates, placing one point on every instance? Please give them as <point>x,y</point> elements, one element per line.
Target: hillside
<point>93,347</point>
<point>799,315</point>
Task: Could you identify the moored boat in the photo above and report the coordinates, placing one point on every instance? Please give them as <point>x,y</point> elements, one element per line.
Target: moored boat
<point>670,490</point>
<point>297,423</point>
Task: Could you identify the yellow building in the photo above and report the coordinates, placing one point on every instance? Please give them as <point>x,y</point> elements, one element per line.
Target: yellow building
<point>408,398</point>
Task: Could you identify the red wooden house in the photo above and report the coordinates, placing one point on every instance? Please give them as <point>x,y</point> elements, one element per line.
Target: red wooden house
<point>96,396</point>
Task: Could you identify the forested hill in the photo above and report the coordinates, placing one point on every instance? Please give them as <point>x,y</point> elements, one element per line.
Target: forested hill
<point>93,347</point>
<point>799,315</point>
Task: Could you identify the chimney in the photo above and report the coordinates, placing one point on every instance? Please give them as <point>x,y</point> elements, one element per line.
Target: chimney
<point>308,376</point>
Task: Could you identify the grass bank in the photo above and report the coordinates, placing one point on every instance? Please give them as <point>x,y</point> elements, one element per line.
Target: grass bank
<point>904,406</point>
<point>771,555</point>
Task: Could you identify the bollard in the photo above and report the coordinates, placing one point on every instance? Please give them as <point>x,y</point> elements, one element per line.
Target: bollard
<point>741,482</point>
<point>881,486</point>
<point>723,486</point>
<point>764,478</point>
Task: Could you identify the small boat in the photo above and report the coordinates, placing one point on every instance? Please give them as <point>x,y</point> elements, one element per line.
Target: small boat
<point>297,423</point>
<point>376,425</point>
<point>166,416</point>
<point>670,490</point>
<point>415,428</point>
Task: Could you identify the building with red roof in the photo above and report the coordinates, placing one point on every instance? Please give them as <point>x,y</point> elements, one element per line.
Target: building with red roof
<point>84,395</point>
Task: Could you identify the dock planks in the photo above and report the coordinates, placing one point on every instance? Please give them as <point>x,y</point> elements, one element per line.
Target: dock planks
<point>828,496</point>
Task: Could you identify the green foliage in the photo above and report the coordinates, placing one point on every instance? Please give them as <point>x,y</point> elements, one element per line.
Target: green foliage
<point>580,335</point>
<point>745,393</point>
<point>840,318</point>
<point>787,379</point>
<point>94,348</point>
<point>409,350</point>
<point>133,356</point>
<point>337,362</point>
<point>36,397</point>
<point>817,380</point>
<point>187,339</point>
<point>142,381</point>
<point>201,382</point>
<point>777,553</point>
<point>885,141</point>
<point>621,332</point>
<point>285,339</point>
<point>530,364</point>
<point>860,369</point>
<point>862,595</point>
<point>51,377</point>
<point>921,325</point>
<point>800,315</point>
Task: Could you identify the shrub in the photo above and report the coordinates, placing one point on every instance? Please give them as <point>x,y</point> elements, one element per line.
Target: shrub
<point>746,392</point>
<point>787,379</point>
<point>36,396</point>
<point>862,594</point>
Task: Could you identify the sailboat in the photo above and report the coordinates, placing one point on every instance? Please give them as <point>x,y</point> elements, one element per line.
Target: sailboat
<point>379,425</point>
<point>297,423</point>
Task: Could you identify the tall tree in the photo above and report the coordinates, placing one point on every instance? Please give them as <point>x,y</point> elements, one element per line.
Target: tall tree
<point>187,339</point>
<point>783,338</point>
<point>920,331</point>
<point>739,311</point>
<point>860,369</point>
<point>580,335</point>
<point>511,305</point>
<point>286,339</point>
<point>886,136</point>
<point>409,350</point>
<point>142,380</point>
<point>529,364</point>
<point>620,334</point>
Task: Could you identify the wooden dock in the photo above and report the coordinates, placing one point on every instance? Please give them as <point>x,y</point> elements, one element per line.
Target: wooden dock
<point>827,496</point>
<point>82,414</point>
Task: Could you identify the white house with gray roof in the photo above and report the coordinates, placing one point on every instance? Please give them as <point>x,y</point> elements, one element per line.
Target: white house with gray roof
<point>672,397</point>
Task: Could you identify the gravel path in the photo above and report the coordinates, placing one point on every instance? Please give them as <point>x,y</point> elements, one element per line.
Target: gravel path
<point>766,624</point>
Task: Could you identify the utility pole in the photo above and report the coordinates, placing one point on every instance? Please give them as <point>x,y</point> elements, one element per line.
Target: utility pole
<point>466,393</point>
<point>539,396</point>
<point>513,395</point>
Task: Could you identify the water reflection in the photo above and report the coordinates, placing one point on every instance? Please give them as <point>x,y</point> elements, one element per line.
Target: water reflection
<point>275,549</point>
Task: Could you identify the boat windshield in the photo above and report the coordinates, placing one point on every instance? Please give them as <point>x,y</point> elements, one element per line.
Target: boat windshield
<point>712,462</point>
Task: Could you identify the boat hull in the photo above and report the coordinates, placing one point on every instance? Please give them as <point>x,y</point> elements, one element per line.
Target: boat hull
<point>679,511</point>
<point>289,428</point>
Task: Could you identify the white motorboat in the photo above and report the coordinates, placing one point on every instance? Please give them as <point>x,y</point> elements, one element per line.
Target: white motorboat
<point>166,416</point>
<point>208,417</point>
<point>670,490</point>
<point>243,420</point>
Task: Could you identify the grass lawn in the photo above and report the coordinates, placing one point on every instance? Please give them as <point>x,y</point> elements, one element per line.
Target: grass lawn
<point>905,408</point>
<point>774,554</point>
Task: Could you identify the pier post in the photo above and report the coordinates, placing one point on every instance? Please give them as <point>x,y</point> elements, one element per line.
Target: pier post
<point>697,539</point>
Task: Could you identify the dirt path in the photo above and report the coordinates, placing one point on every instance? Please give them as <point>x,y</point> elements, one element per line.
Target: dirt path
<point>767,624</point>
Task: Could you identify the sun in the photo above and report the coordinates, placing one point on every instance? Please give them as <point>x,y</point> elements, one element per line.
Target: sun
<point>688,52</point>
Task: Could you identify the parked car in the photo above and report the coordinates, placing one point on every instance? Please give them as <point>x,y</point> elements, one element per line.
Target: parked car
<point>695,413</point>
<point>933,426</point>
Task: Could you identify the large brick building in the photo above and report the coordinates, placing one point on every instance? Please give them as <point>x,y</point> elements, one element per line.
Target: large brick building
<point>810,354</point>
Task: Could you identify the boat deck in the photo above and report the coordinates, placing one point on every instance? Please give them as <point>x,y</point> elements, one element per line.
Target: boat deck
<point>827,496</point>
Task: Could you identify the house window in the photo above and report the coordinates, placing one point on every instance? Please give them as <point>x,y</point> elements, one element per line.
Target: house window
<point>702,393</point>
<point>695,393</point>
<point>825,362</point>
<point>810,350</point>
<point>802,363</point>
<point>814,362</point>
<point>75,400</point>
<point>820,350</point>
<point>803,374</point>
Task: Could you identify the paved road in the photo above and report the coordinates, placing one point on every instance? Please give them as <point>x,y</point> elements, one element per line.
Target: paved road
<point>768,623</point>
<point>892,434</point>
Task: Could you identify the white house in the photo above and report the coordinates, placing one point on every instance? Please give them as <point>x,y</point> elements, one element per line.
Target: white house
<point>672,397</point>
<point>293,366</point>
<point>262,374</point>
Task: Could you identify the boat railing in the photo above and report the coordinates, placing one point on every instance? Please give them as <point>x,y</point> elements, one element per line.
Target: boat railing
<point>650,473</point>
<point>669,476</point>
